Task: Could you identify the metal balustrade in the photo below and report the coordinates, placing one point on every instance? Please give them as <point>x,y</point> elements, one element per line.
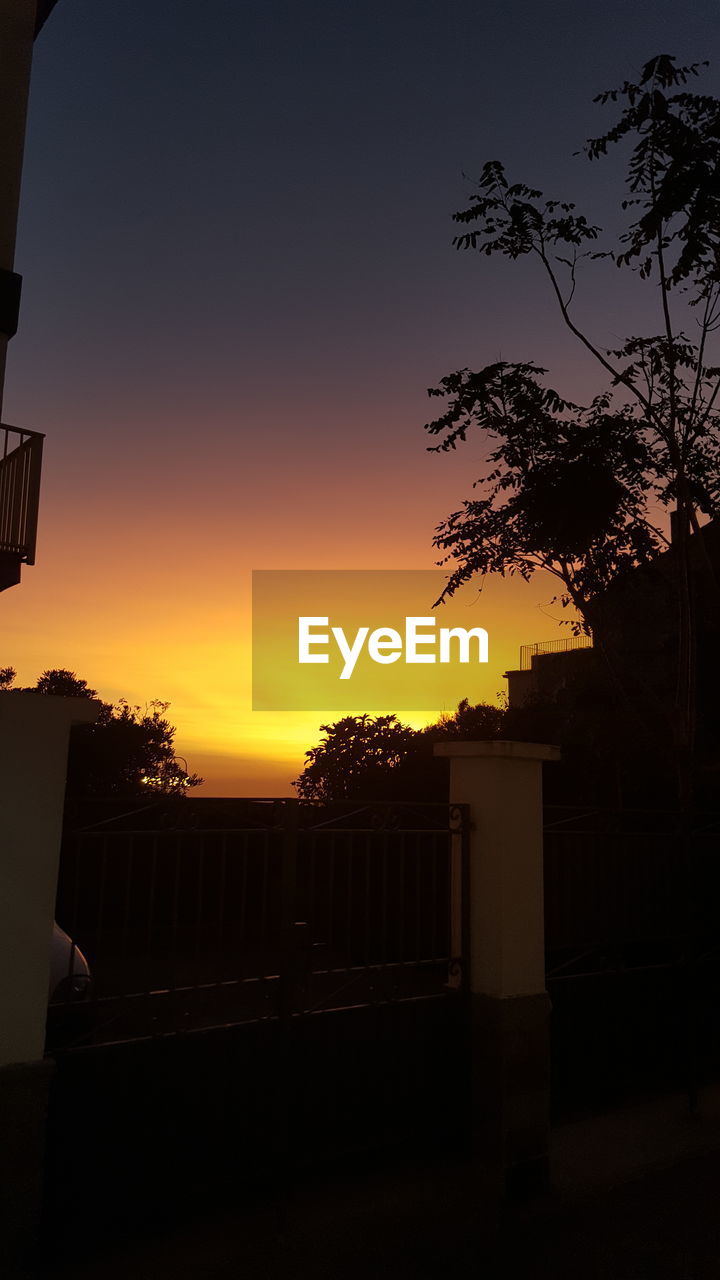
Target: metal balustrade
<point>20,467</point>
<point>284,909</point>
<point>530,651</point>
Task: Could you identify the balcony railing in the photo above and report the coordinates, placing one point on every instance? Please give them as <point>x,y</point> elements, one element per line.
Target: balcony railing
<point>530,651</point>
<point>20,466</point>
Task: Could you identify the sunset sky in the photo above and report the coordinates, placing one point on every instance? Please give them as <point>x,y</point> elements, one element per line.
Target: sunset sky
<point>235,238</point>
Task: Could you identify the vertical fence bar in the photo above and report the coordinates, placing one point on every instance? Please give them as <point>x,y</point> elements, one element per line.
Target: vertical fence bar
<point>289,1103</point>
<point>458,896</point>
<point>383,900</point>
<point>130,859</point>
<point>264,881</point>
<point>101,896</point>
<point>200,850</point>
<point>350,861</point>
<point>433,903</point>
<point>331,896</point>
<point>243,892</point>
<point>288,895</point>
<point>220,952</point>
<point>369,859</point>
<point>151,901</point>
<point>33,497</point>
<point>418,900</point>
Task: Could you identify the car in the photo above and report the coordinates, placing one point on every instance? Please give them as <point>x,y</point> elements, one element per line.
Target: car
<point>70,977</point>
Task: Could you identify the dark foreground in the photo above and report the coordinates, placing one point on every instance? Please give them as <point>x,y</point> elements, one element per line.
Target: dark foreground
<point>636,1196</point>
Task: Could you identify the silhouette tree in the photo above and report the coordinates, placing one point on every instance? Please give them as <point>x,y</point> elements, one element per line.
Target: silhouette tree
<point>573,490</point>
<point>606,752</point>
<point>471,722</point>
<point>126,752</point>
<point>355,758</point>
<point>64,684</point>
<point>367,758</point>
<point>566,490</point>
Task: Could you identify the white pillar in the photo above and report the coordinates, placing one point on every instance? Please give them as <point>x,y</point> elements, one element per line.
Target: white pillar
<point>34,734</point>
<point>501,782</point>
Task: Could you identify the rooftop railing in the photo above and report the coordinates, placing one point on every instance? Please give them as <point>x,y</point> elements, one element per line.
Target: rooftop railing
<point>20,467</point>
<point>530,651</point>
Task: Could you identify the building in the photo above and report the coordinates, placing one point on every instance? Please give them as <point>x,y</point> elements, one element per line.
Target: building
<point>618,696</point>
<point>20,450</point>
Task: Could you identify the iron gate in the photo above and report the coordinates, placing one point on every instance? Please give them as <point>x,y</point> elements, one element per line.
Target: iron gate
<point>274,984</point>
<point>633,952</point>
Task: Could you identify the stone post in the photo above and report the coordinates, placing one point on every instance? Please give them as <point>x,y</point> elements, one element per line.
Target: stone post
<point>34,734</point>
<point>501,782</point>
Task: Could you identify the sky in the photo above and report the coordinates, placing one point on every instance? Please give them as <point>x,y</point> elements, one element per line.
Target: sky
<point>235,241</point>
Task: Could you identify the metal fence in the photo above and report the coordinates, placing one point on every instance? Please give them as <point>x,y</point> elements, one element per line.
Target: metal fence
<point>275,985</point>
<point>530,651</point>
<point>20,467</point>
<point>632,951</point>
<point>628,888</point>
<point>268,909</point>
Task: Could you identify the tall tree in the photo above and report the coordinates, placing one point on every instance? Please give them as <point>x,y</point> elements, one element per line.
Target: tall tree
<point>355,759</point>
<point>128,751</point>
<point>573,489</point>
<point>366,758</point>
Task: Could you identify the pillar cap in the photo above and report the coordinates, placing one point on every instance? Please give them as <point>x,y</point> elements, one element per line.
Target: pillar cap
<point>496,750</point>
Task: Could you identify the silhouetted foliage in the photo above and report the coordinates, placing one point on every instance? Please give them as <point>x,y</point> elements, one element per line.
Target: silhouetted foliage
<point>126,752</point>
<point>64,684</point>
<point>610,755</point>
<point>477,722</point>
<point>355,758</point>
<point>571,489</point>
<point>369,758</point>
<point>653,436</point>
<point>566,490</point>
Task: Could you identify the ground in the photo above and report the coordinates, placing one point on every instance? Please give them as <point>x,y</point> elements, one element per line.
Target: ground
<point>635,1196</point>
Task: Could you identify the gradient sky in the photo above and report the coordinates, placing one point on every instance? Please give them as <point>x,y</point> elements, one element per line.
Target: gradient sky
<point>238,284</point>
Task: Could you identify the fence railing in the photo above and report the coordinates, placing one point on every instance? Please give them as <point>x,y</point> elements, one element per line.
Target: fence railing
<point>530,651</point>
<point>20,468</point>
<point>628,890</point>
<point>293,909</point>
<point>632,952</point>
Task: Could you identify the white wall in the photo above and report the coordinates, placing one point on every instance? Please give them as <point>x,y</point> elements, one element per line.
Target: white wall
<point>34,732</point>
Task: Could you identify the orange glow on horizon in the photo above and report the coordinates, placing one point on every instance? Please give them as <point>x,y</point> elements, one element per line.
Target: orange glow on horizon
<point>174,623</point>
